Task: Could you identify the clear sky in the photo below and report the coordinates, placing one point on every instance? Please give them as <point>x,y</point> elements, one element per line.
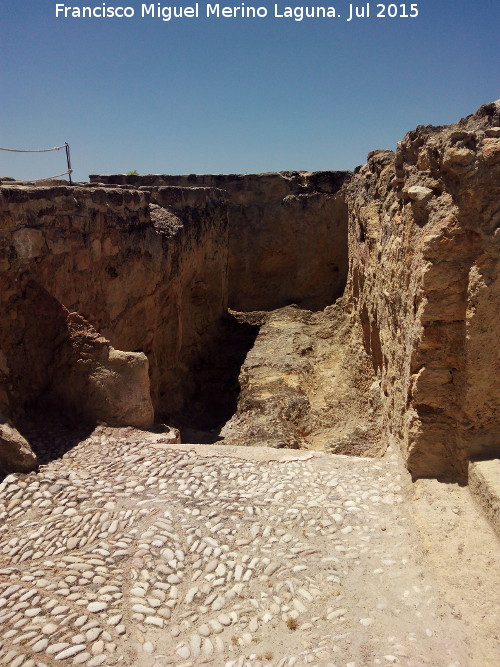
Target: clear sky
<point>234,95</point>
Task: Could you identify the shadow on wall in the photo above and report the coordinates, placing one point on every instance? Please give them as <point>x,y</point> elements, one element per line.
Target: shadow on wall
<point>60,368</point>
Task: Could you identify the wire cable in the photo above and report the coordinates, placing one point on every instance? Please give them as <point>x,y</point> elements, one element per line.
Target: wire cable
<point>41,150</point>
<point>36,180</point>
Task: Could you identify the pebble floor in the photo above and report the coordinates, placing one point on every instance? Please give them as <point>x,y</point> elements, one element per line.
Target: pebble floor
<point>132,553</point>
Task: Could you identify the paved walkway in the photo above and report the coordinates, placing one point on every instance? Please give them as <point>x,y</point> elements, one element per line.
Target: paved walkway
<point>129,551</point>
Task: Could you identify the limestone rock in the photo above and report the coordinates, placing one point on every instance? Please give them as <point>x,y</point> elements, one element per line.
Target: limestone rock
<point>424,286</point>
<point>420,194</point>
<point>120,392</point>
<point>101,383</point>
<point>16,454</point>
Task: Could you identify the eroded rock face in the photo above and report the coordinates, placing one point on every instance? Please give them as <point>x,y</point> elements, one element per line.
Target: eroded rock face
<point>287,234</point>
<point>105,301</point>
<point>423,283</point>
<point>304,385</point>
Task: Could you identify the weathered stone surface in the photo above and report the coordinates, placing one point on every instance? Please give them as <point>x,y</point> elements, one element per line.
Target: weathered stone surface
<point>29,243</point>
<point>424,285</point>
<point>420,194</point>
<point>287,233</point>
<point>304,386</point>
<point>484,484</point>
<point>16,454</point>
<point>99,382</point>
<point>149,281</point>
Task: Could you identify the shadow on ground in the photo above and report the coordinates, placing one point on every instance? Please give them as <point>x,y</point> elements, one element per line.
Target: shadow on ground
<point>215,398</point>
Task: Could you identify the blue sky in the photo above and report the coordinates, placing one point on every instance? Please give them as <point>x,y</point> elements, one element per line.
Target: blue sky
<point>234,95</point>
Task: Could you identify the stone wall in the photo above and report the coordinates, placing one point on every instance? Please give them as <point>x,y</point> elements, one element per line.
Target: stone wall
<point>287,234</point>
<point>88,272</point>
<point>423,283</point>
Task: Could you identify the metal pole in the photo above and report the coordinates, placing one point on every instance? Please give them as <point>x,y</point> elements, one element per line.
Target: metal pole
<point>68,159</point>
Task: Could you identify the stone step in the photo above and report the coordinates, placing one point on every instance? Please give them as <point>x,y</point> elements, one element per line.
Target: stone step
<point>484,485</point>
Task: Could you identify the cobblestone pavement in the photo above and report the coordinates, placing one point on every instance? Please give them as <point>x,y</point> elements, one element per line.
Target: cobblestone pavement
<point>127,552</point>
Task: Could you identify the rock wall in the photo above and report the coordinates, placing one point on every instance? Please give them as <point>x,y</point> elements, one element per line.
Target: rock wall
<point>287,234</point>
<point>423,283</point>
<point>86,272</point>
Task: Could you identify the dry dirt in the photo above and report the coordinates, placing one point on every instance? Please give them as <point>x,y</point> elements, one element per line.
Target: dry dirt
<point>461,552</point>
